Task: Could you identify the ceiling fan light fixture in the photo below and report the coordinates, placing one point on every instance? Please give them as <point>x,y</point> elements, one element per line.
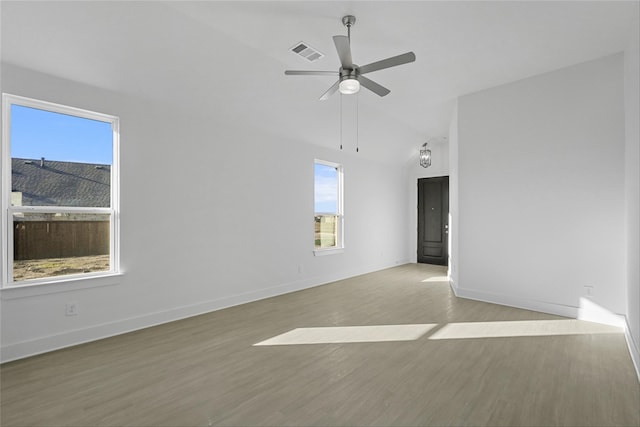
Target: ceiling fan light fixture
<point>349,86</point>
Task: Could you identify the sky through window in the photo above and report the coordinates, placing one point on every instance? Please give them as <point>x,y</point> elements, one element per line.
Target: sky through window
<point>38,133</point>
<point>326,189</point>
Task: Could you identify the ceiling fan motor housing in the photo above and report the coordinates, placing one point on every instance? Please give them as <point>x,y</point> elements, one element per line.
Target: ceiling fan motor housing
<point>349,73</point>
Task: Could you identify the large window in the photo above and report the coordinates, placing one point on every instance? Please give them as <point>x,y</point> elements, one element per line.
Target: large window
<point>328,206</point>
<point>59,192</point>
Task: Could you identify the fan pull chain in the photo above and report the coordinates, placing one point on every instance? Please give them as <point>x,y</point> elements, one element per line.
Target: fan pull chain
<point>357,123</point>
<point>341,121</point>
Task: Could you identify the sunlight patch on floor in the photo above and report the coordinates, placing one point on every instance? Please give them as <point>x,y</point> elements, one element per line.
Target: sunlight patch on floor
<point>436,279</point>
<point>521,328</point>
<point>350,334</point>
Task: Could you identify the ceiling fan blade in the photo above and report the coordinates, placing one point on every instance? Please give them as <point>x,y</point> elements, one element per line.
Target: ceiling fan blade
<point>344,50</point>
<point>389,62</point>
<point>330,91</point>
<point>310,73</point>
<point>373,86</point>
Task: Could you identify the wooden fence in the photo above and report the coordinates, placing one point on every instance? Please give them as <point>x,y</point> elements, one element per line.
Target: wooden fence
<point>59,239</point>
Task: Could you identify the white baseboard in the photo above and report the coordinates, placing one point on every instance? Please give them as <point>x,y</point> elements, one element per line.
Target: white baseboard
<point>453,286</point>
<point>634,350</point>
<point>517,302</point>
<point>588,311</point>
<point>92,333</point>
<point>23,349</point>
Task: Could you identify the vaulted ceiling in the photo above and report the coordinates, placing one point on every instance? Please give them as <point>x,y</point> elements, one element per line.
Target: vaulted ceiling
<point>227,59</point>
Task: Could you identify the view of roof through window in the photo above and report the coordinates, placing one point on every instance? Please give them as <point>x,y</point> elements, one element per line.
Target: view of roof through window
<point>59,159</point>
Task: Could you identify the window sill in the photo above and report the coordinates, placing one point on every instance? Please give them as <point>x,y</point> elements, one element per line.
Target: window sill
<point>332,251</point>
<point>65,285</point>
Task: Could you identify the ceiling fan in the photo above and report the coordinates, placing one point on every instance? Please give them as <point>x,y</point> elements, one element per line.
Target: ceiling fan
<point>350,75</point>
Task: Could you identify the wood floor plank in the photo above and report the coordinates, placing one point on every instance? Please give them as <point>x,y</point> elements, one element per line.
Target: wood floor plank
<point>206,370</point>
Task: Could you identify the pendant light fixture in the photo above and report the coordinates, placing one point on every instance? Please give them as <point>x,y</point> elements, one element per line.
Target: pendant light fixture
<point>425,156</point>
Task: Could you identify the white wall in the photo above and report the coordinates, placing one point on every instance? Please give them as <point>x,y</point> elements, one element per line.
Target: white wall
<point>212,216</point>
<point>541,190</point>
<point>632,180</point>
<point>439,167</point>
<point>454,218</point>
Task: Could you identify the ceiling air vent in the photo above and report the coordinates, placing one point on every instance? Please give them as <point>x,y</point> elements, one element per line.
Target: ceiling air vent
<point>306,51</point>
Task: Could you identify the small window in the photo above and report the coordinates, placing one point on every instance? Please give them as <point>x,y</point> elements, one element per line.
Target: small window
<point>328,206</point>
<point>60,198</point>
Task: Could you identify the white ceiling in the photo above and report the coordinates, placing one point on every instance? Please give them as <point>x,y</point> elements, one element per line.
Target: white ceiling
<point>227,58</point>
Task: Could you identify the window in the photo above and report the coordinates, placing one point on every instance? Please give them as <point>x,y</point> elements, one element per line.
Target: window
<point>59,192</point>
<point>328,206</point>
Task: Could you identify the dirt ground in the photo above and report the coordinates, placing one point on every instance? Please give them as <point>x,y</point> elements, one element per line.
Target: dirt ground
<point>38,268</point>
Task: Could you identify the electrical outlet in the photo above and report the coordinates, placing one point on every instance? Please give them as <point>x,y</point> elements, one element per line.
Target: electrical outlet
<point>588,291</point>
<point>71,309</point>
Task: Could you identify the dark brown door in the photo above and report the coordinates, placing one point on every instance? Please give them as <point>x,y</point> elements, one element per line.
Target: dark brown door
<point>433,220</point>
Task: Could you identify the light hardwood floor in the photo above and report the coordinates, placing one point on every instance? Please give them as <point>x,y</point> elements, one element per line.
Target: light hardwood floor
<point>206,370</point>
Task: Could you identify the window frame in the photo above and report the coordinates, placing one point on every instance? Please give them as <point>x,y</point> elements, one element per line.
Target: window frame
<point>339,247</point>
<point>8,211</point>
